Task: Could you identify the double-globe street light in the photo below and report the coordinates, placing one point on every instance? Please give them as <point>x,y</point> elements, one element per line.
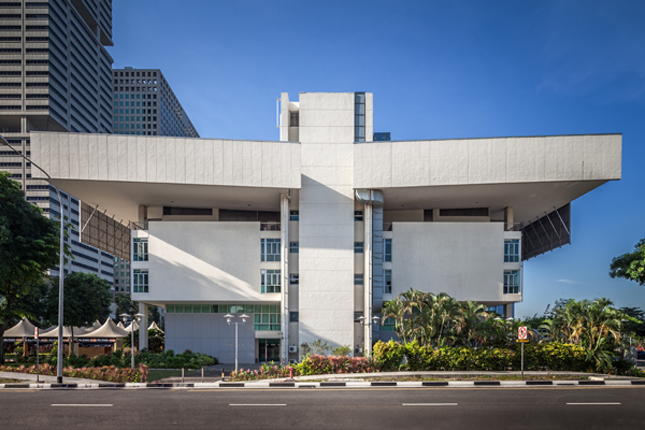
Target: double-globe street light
<point>366,322</point>
<point>229,317</point>
<point>125,319</point>
<point>59,359</point>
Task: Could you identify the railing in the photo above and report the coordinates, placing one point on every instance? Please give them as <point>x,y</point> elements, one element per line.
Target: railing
<point>270,226</point>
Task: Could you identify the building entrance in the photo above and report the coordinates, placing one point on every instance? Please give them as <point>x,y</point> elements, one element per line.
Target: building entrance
<point>269,350</point>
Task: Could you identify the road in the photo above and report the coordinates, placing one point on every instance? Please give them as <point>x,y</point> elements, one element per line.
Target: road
<point>382,408</point>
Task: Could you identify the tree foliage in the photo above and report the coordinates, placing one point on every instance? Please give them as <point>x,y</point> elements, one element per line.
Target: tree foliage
<point>631,265</point>
<point>29,246</point>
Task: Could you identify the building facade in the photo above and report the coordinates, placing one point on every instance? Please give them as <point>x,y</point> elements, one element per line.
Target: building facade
<point>55,75</point>
<point>309,235</point>
<point>145,105</point>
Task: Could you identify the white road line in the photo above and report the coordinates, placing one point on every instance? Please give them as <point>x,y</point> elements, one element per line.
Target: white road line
<point>593,404</point>
<point>84,405</point>
<point>429,404</point>
<point>258,404</point>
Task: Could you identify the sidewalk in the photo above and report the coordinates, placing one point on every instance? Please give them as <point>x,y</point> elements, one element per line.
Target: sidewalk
<point>45,378</point>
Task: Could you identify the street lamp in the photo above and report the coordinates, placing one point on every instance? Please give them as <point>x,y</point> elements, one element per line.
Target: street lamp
<point>229,317</point>
<point>59,359</point>
<point>366,322</point>
<point>125,319</point>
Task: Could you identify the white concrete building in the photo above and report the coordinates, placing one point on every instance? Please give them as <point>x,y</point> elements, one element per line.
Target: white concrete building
<point>310,233</point>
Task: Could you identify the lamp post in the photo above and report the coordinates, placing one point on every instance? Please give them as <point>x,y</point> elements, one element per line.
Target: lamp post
<point>367,322</point>
<point>229,317</point>
<point>59,359</point>
<point>125,319</point>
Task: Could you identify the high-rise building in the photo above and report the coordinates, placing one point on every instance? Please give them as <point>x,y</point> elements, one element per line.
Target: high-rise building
<point>55,75</point>
<point>145,105</point>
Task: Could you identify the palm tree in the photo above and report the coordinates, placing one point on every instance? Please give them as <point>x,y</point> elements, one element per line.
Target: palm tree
<point>396,309</point>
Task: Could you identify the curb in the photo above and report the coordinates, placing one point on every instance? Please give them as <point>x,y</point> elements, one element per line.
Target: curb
<point>265,385</point>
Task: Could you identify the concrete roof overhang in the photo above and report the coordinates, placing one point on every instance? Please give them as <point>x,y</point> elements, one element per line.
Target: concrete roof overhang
<point>529,200</point>
<point>122,199</point>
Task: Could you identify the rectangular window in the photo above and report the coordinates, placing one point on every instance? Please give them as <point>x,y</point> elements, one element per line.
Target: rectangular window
<point>387,254</point>
<point>388,324</point>
<point>358,279</point>
<point>267,318</point>
<point>269,249</point>
<point>387,278</point>
<point>294,119</point>
<point>293,278</point>
<point>140,281</point>
<point>294,317</point>
<point>511,251</point>
<point>358,247</point>
<point>511,282</point>
<point>270,281</point>
<point>358,215</point>
<point>294,216</point>
<point>140,249</point>
<point>294,247</point>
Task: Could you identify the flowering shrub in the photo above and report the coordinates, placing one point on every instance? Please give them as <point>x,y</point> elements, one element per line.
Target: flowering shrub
<point>310,365</point>
<point>105,373</point>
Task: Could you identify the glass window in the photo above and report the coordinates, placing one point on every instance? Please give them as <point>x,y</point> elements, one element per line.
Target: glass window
<point>358,215</point>
<point>269,249</point>
<point>170,309</point>
<point>511,251</point>
<point>511,282</point>
<point>387,255</point>
<point>358,247</point>
<point>388,324</point>
<point>387,278</point>
<point>140,249</point>
<point>293,278</point>
<point>270,281</point>
<point>294,216</point>
<point>358,279</point>
<point>294,317</point>
<point>294,247</point>
<point>140,281</point>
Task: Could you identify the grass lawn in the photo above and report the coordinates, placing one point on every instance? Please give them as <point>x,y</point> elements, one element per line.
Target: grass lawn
<point>155,375</point>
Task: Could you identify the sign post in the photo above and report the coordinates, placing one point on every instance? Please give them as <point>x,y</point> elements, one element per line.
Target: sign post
<point>522,338</point>
<point>37,356</point>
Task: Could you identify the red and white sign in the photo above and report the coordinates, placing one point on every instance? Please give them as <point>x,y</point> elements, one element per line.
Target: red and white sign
<point>521,333</point>
<point>36,333</point>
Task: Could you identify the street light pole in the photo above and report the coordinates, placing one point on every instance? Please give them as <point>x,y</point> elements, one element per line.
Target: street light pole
<point>366,322</point>
<point>229,317</point>
<point>59,359</point>
<point>125,318</point>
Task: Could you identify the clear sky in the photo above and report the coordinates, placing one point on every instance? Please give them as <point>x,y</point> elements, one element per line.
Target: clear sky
<point>438,69</point>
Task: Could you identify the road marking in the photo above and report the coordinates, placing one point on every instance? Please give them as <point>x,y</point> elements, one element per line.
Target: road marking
<point>429,404</point>
<point>84,405</point>
<point>258,404</point>
<point>593,404</point>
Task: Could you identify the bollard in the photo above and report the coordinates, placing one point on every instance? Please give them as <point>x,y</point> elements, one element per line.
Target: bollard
<point>290,372</point>
<point>202,375</point>
<point>182,375</point>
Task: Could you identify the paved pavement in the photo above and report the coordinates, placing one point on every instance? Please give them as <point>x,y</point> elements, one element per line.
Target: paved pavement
<point>45,378</point>
<point>419,408</point>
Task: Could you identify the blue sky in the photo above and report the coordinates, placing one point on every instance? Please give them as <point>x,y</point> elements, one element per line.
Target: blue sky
<point>438,69</point>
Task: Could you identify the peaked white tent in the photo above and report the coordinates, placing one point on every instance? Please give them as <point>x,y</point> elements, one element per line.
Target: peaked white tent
<point>107,330</point>
<point>154,326</point>
<point>23,329</point>
<point>129,328</point>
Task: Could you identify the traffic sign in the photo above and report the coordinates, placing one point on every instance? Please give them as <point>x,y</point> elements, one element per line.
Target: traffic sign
<point>521,333</point>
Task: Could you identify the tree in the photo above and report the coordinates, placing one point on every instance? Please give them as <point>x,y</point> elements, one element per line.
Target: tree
<point>29,246</point>
<point>87,299</point>
<point>631,265</point>
<point>125,305</point>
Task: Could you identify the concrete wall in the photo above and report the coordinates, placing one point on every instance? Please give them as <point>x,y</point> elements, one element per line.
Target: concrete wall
<point>210,334</point>
<point>487,161</point>
<point>464,260</point>
<point>204,261</point>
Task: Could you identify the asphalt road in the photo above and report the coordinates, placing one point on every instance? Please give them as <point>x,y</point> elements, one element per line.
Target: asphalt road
<point>481,408</point>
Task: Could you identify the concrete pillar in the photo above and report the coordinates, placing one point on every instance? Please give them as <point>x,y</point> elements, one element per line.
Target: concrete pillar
<point>508,218</point>
<point>284,290</point>
<point>143,217</point>
<point>143,326</point>
<point>367,280</point>
<point>508,310</point>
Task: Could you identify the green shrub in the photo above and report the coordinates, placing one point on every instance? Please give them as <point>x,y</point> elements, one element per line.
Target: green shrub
<point>388,356</point>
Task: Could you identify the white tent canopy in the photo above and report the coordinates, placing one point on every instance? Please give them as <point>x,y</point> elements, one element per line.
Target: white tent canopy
<point>23,329</point>
<point>128,329</point>
<point>107,330</point>
<point>67,332</point>
<point>154,326</point>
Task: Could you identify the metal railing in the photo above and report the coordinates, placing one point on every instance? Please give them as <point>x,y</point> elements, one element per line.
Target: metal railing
<point>269,226</point>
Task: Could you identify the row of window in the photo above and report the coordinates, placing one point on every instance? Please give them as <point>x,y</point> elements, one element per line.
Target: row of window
<point>265,317</point>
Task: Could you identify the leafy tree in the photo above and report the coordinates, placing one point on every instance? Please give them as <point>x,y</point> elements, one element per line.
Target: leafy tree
<point>635,323</point>
<point>29,246</point>
<point>125,305</point>
<point>631,265</point>
<point>87,299</point>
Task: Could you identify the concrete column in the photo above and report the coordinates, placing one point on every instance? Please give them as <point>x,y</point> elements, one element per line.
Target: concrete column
<point>508,218</point>
<point>143,326</point>
<point>143,217</point>
<point>284,296</point>
<point>367,280</point>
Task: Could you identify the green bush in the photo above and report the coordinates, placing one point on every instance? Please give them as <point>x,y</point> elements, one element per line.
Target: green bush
<point>388,356</point>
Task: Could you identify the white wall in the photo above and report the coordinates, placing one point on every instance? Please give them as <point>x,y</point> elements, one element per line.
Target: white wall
<point>464,260</point>
<point>204,261</point>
